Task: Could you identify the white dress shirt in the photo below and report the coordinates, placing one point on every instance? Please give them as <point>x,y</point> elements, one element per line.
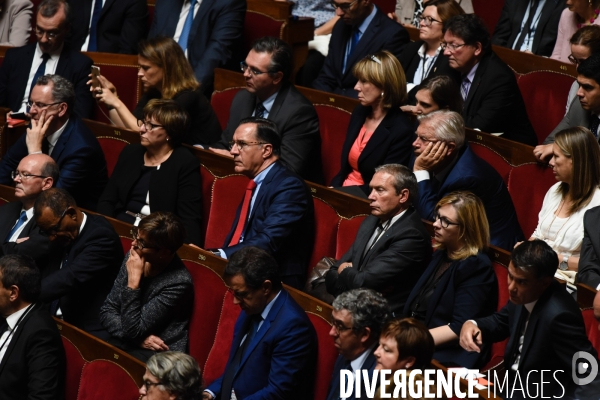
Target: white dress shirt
<point>37,61</point>
<point>15,235</point>
<point>185,10</point>
<point>11,320</point>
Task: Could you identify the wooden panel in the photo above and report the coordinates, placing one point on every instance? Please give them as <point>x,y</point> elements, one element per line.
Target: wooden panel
<point>345,205</point>
<point>513,152</point>
<point>7,193</point>
<point>525,62</point>
<point>585,295</point>
<point>102,130</point>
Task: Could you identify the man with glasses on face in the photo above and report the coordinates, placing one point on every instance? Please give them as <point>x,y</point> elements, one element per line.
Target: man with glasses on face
<point>361,30</point>
<point>492,99</point>
<point>79,277</point>
<point>270,95</point>
<point>22,66</point>
<point>59,133</point>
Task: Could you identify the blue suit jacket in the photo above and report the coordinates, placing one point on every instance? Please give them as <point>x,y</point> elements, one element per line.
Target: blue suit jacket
<point>334,386</point>
<point>79,158</point>
<point>280,361</point>
<point>475,175</point>
<point>282,221</point>
<point>72,65</point>
<point>467,290</point>
<point>381,34</point>
<point>215,35</point>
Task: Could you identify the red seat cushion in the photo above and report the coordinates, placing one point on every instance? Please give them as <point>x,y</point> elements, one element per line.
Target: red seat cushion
<point>75,364</point>
<point>386,6</point>
<point>326,226</point>
<point>111,147</point>
<point>327,354</point>
<point>346,234</point>
<point>489,11</point>
<point>103,379</point>
<point>499,163</point>
<point>221,103</point>
<point>591,328</point>
<point>208,180</point>
<point>257,25</point>
<point>333,125</point>
<point>126,243</point>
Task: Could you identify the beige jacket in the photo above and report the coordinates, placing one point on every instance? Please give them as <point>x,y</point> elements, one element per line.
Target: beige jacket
<point>15,22</point>
<point>405,9</point>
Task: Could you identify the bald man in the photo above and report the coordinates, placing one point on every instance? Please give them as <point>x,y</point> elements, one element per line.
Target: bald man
<point>19,232</point>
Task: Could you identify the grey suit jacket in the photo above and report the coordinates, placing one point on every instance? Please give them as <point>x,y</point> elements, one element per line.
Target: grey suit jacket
<point>15,22</point>
<point>575,116</point>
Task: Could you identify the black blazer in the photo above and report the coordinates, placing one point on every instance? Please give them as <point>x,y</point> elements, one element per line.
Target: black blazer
<point>33,366</point>
<point>81,286</point>
<point>122,24</point>
<point>334,385</point>
<point>410,62</point>
<point>72,65</point>
<point>511,19</point>
<point>393,265</point>
<point>390,143</point>
<point>381,34</point>
<point>589,262</point>
<point>175,187</point>
<point>494,103</point>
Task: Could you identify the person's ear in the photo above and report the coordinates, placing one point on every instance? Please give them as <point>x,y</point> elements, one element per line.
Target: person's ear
<point>451,148</point>
<point>14,293</point>
<point>408,362</point>
<point>267,150</point>
<point>404,196</point>
<point>478,48</point>
<point>62,109</point>
<point>47,183</point>
<point>365,335</point>
<point>267,287</point>
<point>277,77</point>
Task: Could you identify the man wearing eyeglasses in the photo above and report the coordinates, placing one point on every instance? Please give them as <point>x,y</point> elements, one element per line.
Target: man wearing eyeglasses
<point>361,30</point>
<point>22,66</point>
<point>79,277</point>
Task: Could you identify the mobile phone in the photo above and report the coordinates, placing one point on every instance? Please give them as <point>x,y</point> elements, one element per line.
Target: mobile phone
<point>20,115</point>
<point>95,74</point>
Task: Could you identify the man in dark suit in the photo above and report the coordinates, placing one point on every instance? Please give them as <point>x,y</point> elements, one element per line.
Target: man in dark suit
<point>32,358</point>
<point>545,327</point>
<point>589,261</point>
<point>392,247</point>
<point>18,229</point>
<point>357,318</point>
<point>273,354</point>
<point>50,55</point>
<point>269,95</point>
<point>276,214</point>
<point>361,30</point>
<point>444,163</point>
<point>210,36</point>
<point>109,26</point>
<point>77,280</point>
<point>529,26</point>
<point>56,131</point>
<point>492,99</point>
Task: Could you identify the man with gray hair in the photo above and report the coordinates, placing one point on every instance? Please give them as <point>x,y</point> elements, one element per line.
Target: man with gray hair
<point>444,163</point>
<point>62,135</point>
<point>392,247</point>
<point>357,318</point>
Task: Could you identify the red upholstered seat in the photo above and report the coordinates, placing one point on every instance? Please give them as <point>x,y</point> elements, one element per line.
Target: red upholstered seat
<point>125,79</point>
<point>103,379</point>
<point>257,25</point>
<point>489,11</point>
<point>219,353</point>
<point>499,347</point>
<point>75,364</point>
<point>500,164</point>
<point>591,327</point>
<point>527,185</point>
<point>326,227</point>
<point>346,234</point>
<point>386,6</point>
<point>326,357</point>
<point>221,103</point>
<point>545,102</point>
<point>208,180</point>
<point>111,147</point>
<point>333,125</point>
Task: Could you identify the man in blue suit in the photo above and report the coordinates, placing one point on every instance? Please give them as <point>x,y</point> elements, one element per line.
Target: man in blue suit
<point>56,131</point>
<point>276,214</point>
<point>273,354</point>
<point>358,316</point>
<point>209,31</point>
<point>444,163</point>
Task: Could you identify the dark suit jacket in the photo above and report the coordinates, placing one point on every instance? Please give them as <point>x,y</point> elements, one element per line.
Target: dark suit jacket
<point>36,247</point>
<point>475,175</point>
<point>72,65</point>
<point>79,157</point>
<point>410,62</point>
<point>81,286</point>
<point>334,386</point>
<point>122,24</point>
<point>511,19</point>
<point>393,265</point>
<point>298,125</point>
<point>555,332</point>
<point>575,116</point>
<point>215,37</point>
<point>589,262</point>
<point>175,187</point>
<point>381,34</point>
<point>282,221</point>
<point>33,366</point>
<point>390,143</point>
<point>281,359</point>
<point>467,290</point>
<point>494,103</point>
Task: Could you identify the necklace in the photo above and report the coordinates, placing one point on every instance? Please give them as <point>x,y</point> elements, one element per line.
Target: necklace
<point>596,13</point>
<point>153,163</point>
<point>547,235</point>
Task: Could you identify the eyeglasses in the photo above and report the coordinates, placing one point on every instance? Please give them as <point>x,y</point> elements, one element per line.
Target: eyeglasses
<point>574,60</point>
<point>24,175</point>
<point>425,140</point>
<point>452,47</point>
<point>50,35</point>
<point>148,125</point>
<point>344,6</point>
<point>147,384</point>
<point>40,106</point>
<point>445,222</point>
<point>240,295</point>
<point>241,144</point>
<point>140,244</point>
<point>253,71</point>
<point>339,327</point>
<point>427,21</point>
<point>53,230</point>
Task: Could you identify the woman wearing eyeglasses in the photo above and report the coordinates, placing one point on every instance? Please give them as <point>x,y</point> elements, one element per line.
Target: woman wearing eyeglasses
<point>378,132</point>
<point>578,13</point>
<point>158,174</point>
<point>408,11</point>
<point>149,307</point>
<point>166,74</point>
<point>171,375</point>
<point>459,284</point>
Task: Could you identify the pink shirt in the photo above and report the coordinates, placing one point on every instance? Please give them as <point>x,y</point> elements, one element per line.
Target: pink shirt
<point>567,26</point>
<point>354,178</point>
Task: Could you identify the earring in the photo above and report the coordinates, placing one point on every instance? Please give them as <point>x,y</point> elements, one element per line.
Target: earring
<point>381,94</point>
<point>167,139</point>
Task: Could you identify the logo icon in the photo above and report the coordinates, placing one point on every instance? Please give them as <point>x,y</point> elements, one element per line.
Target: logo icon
<point>579,367</point>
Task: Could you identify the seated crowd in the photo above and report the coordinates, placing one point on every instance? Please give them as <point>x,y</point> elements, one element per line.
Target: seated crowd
<point>398,301</point>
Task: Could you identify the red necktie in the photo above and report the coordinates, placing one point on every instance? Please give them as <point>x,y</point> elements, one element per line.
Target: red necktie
<point>235,239</point>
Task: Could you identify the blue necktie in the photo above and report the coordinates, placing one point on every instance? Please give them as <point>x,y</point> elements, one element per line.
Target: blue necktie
<point>41,71</point>
<point>353,43</point>
<point>20,222</point>
<point>187,27</point>
<point>93,44</point>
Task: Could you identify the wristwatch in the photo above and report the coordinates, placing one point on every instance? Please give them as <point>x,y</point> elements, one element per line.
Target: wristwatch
<point>563,266</point>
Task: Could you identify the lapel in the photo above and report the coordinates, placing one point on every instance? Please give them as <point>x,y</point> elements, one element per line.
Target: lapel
<point>440,289</point>
<point>8,216</point>
<point>340,49</point>
<point>363,237</point>
<point>105,8</point>
<point>392,231</point>
<point>202,11</point>
<point>475,84</point>
<point>264,188</point>
<point>278,103</point>
<point>335,379</point>
<point>63,139</point>
<point>515,335</point>
<point>435,260</point>
<point>63,61</point>
<point>363,46</point>
<point>379,136</point>
<point>15,338</point>
<point>546,14</point>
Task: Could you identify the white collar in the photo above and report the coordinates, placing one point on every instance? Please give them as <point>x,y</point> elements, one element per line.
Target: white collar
<point>358,362</point>
<point>12,319</point>
<point>53,137</point>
